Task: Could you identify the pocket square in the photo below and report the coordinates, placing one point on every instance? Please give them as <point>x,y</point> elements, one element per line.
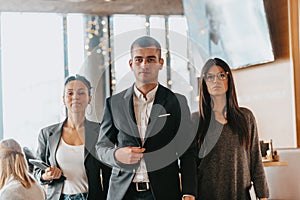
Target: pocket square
<point>164,115</point>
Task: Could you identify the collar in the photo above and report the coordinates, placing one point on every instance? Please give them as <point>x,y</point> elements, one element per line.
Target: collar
<point>150,95</point>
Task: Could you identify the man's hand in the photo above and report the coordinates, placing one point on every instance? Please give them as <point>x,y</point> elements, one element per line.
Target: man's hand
<point>188,197</point>
<point>129,155</point>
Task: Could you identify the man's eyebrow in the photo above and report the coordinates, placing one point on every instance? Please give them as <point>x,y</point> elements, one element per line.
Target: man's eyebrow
<point>145,57</point>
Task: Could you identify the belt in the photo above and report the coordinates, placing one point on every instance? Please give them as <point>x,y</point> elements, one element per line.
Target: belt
<point>141,186</point>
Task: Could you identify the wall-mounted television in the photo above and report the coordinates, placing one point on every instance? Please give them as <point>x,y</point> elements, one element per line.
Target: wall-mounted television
<point>234,30</point>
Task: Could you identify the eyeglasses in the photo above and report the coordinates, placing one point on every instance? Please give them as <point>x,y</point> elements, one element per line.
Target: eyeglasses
<point>211,77</point>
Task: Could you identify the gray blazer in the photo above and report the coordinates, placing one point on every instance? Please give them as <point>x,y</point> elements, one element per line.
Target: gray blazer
<point>167,139</point>
<point>48,141</point>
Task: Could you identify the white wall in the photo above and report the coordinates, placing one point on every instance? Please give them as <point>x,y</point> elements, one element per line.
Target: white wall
<point>269,92</point>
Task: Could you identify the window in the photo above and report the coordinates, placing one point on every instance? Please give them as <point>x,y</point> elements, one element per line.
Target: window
<point>34,56</point>
<point>33,71</point>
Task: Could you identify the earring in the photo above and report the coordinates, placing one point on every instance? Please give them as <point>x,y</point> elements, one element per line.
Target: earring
<point>89,109</point>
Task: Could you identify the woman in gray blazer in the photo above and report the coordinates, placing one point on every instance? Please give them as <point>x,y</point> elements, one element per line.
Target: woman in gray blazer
<point>69,148</point>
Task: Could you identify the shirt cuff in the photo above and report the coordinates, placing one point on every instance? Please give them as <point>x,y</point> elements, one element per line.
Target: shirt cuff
<point>187,195</point>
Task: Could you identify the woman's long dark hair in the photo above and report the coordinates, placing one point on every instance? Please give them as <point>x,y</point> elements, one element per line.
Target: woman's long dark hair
<point>235,118</point>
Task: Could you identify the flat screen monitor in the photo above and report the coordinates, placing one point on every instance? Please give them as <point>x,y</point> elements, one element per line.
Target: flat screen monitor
<point>234,30</point>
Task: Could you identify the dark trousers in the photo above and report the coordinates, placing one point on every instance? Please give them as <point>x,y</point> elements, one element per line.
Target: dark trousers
<point>133,194</point>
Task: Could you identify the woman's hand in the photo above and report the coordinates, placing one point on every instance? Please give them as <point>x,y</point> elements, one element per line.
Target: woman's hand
<point>52,173</point>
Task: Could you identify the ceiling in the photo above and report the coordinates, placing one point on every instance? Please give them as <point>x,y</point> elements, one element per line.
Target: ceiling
<point>95,7</point>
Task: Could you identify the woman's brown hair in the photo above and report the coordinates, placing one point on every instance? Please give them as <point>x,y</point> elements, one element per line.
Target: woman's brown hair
<point>235,117</point>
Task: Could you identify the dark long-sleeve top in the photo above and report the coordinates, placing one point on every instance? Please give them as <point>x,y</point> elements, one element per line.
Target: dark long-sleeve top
<point>227,168</point>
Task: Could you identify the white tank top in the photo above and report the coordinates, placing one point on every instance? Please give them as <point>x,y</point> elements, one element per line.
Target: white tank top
<point>71,161</point>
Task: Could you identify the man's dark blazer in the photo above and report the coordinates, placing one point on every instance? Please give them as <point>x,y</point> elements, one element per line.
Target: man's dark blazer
<point>48,141</point>
<point>168,137</point>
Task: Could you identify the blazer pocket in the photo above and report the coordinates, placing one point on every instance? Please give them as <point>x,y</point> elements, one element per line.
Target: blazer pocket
<point>164,115</point>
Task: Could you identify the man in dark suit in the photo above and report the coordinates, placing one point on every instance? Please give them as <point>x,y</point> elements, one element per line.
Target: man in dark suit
<point>145,135</point>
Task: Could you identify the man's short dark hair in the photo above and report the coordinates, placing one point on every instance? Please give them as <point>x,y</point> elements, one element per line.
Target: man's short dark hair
<point>144,42</point>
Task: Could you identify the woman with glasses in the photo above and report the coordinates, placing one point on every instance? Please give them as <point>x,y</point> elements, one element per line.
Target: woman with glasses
<point>15,181</point>
<point>69,148</point>
<point>229,155</point>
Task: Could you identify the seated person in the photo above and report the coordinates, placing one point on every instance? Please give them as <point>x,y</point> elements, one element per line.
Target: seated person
<point>15,181</point>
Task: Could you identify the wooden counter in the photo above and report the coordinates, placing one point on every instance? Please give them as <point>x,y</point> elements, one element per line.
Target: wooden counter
<point>275,163</point>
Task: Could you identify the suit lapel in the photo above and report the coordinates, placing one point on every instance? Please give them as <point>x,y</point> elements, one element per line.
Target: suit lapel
<point>90,140</point>
<point>157,108</point>
<point>128,109</point>
<point>54,140</point>
<point>90,137</point>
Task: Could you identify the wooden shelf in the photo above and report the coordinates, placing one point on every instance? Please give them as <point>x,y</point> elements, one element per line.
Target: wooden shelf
<point>275,163</point>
